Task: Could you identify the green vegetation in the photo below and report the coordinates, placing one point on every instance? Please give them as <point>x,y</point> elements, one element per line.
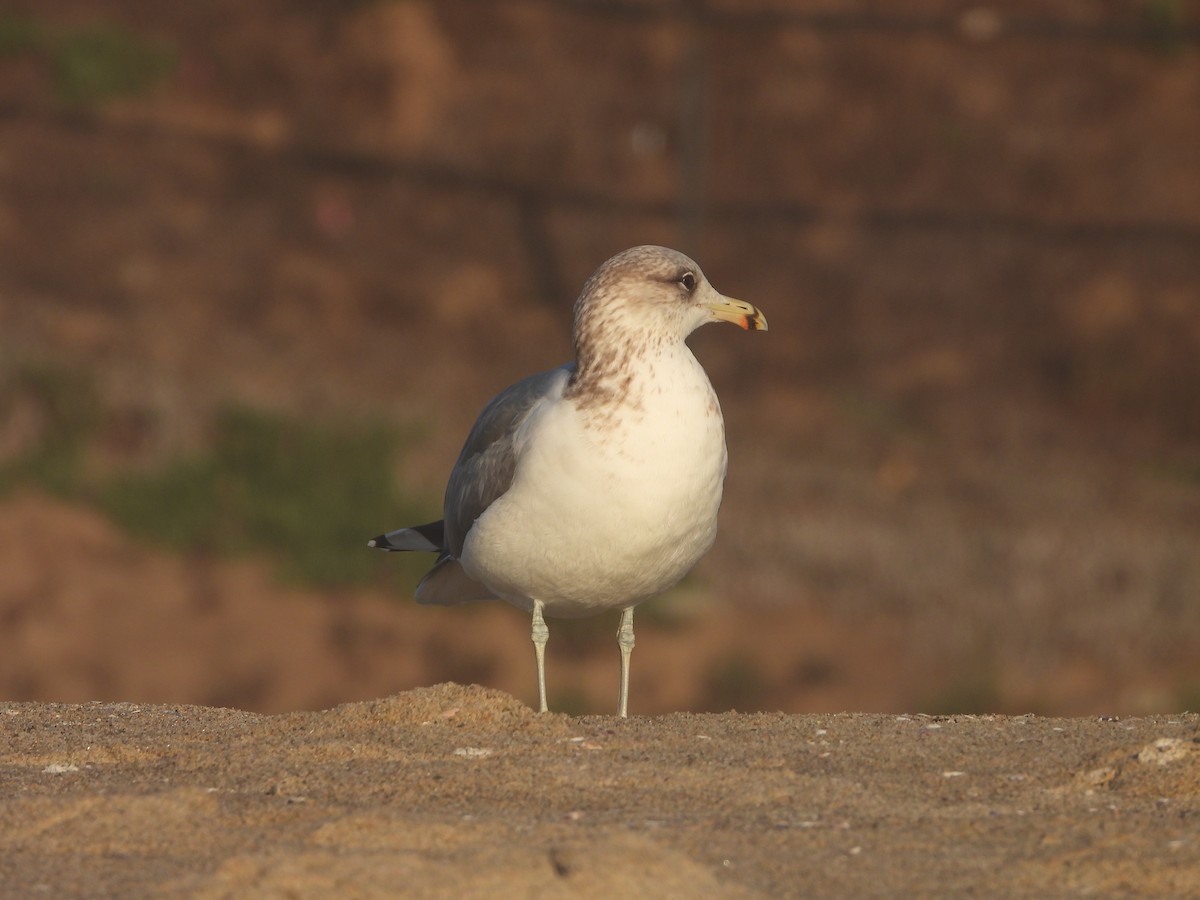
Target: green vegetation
<point>311,495</point>
<point>734,683</point>
<point>974,692</point>
<point>877,412</point>
<point>18,35</point>
<point>308,495</point>
<point>1176,471</point>
<point>100,63</point>
<point>48,414</point>
<point>90,64</point>
<point>1188,699</point>
<point>573,701</point>
<point>1166,25</point>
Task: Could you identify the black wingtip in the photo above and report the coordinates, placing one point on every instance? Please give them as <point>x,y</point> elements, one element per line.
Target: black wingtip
<point>380,542</point>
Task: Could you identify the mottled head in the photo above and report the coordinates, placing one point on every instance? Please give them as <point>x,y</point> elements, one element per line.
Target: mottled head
<point>655,294</point>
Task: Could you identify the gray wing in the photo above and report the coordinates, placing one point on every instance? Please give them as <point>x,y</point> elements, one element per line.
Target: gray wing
<point>485,467</point>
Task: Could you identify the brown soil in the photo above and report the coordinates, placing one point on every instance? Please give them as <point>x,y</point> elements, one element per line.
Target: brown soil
<point>453,791</point>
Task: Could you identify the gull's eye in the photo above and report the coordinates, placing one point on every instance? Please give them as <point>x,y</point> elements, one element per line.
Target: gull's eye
<point>688,280</point>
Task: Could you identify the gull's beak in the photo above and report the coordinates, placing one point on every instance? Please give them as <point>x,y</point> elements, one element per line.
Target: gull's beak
<point>739,312</point>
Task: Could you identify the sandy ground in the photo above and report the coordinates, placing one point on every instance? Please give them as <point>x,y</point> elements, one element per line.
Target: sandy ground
<point>462,791</point>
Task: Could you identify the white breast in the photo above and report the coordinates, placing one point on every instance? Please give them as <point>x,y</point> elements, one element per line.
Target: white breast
<point>610,505</point>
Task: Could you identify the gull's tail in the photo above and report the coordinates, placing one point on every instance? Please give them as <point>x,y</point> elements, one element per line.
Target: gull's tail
<point>446,583</point>
<point>428,538</point>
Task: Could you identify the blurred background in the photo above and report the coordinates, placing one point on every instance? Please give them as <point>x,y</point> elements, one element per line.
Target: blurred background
<point>261,264</point>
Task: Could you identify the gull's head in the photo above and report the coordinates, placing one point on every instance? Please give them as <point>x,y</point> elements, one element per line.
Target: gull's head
<point>655,291</point>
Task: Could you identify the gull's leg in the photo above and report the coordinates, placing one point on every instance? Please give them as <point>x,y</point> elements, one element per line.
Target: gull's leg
<point>540,634</point>
<point>625,642</point>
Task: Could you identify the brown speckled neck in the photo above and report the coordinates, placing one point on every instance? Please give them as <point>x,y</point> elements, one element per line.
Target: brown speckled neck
<point>612,332</point>
<point>606,353</point>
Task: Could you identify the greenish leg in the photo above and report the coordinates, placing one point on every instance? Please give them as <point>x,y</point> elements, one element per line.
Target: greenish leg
<point>625,642</point>
<point>540,634</point>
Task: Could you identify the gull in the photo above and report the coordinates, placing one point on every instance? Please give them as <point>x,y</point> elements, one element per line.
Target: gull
<point>593,486</point>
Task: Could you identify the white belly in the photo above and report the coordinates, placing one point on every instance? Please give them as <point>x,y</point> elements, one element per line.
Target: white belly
<point>604,513</point>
